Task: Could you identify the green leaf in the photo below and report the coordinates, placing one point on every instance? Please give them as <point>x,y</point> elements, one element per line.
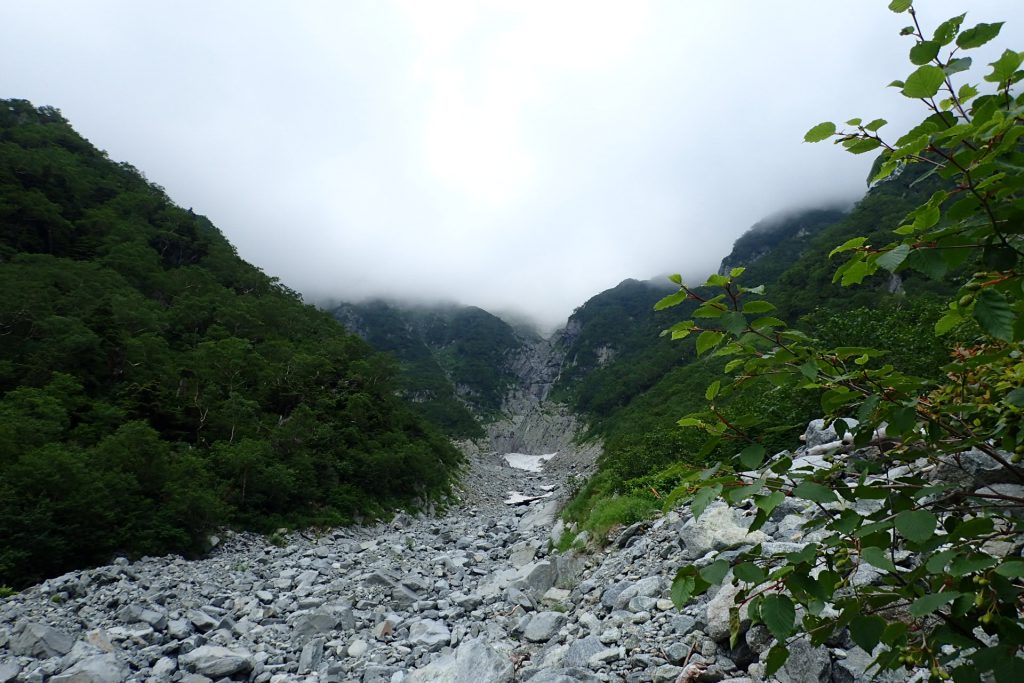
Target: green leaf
<point>955,66</point>
<point>1016,398</point>
<point>777,656</point>
<point>969,564</point>
<point>1014,569</point>
<point>977,36</point>
<point>712,390</point>
<point>808,490</point>
<point>1004,67</point>
<point>673,299</point>
<point>749,573</point>
<point>892,259</point>
<point>770,502</point>
<point>737,271</point>
<point>848,245</point>
<point>947,30</point>
<point>690,422</point>
<point>993,313</point>
<point>735,322</point>
<point>876,557</point>
<point>752,456</point>
<point>707,340</point>
<point>758,307</point>
<point>703,498</point>
<point>900,6</point>
<point>715,572</point>
<point>867,631</point>
<point>875,125</point>
<point>948,322</point>
<point>924,52</point>
<point>916,525</point>
<point>682,589</point>
<point>820,132</point>
<point>929,603</point>
<point>924,82</point>
<point>778,614</point>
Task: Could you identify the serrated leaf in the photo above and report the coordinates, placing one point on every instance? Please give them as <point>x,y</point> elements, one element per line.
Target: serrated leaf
<point>770,501</point>
<point>707,340</point>
<point>820,132</point>
<point>892,259</point>
<point>900,6</point>
<point>673,299</point>
<point>947,30</point>
<point>758,306</point>
<point>875,125</point>
<point>866,631</point>
<point>703,498</point>
<point>955,66</point>
<point>993,313</point>
<point>976,36</point>
<point>752,456</point>
<point>777,656</point>
<point>948,322</point>
<point>778,614</point>
<point>808,490</point>
<point>929,603</point>
<point>1014,569</point>
<point>916,525</point>
<point>1004,67</point>
<point>876,557</point>
<point>715,572</point>
<point>848,245</point>
<point>924,52</point>
<point>924,82</point>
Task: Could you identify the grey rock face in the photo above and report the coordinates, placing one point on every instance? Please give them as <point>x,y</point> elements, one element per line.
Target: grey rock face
<point>806,664</point>
<point>719,528</point>
<point>216,661</point>
<point>474,661</point>
<point>104,668</point>
<point>429,633</point>
<point>41,641</point>
<point>9,671</point>
<point>544,626</point>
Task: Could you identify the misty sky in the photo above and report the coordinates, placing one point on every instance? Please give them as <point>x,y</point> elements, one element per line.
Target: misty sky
<point>512,155</point>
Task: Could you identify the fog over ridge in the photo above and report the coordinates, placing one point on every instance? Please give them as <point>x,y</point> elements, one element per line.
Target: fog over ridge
<point>515,156</point>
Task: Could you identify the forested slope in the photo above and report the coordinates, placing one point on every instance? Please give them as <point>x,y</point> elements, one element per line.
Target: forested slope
<point>455,361</point>
<point>645,451</point>
<point>154,385</point>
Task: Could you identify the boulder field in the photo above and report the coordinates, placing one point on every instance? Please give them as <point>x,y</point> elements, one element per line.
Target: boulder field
<point>472,595</point>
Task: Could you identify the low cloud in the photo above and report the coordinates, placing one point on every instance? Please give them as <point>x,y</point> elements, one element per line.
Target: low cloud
<point>516,156</point>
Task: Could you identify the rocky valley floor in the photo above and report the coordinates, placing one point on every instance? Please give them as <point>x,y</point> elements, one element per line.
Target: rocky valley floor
<point>473,595</point>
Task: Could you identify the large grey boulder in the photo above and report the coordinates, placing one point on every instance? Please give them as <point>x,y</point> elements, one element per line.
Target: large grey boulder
<point>474,661</point>
<point>817,434</point>
<point>806,664</point>
<point>536,578</point>
<point>972,469</point>
<point>216,661</point>
<point>544,626</point>
<point>581,650</point>
<point>41,641</point>
<point>102,668</point>
<point>9,670</point>
<point>719,528</point>
<point>430,633</point>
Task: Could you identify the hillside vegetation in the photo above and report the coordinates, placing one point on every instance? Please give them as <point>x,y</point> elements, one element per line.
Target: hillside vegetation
<point>455,361</point>
<point>154,386</point>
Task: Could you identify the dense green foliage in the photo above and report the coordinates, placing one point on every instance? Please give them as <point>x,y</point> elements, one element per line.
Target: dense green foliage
<point>153,385</point>
<point>455,360</point>
<point>944,541</point>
